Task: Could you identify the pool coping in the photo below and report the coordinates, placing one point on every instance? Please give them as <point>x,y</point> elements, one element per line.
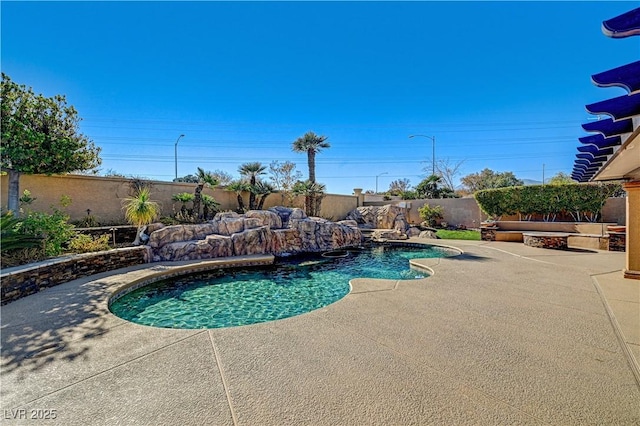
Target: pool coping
<point>384,356</point>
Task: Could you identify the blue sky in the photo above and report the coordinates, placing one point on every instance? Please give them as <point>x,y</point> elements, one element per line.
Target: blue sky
<point>500,85</point>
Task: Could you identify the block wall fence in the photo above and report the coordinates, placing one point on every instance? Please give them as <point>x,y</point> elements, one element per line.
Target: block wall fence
<point>103,196</point>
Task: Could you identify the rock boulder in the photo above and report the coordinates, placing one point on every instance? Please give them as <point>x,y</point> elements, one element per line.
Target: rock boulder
<point>277,231</point>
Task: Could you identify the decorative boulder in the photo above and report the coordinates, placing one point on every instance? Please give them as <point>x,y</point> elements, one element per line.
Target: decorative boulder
<point>390,234</point>
<point>384,217</point>
<point>257,232</point>
<point>266,218</point>
<point>428,234</point>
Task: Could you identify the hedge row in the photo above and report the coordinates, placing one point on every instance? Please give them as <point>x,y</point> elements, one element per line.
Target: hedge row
<point>583,202</point>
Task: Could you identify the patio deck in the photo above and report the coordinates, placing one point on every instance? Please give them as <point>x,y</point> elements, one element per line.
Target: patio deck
<point>501,334</point>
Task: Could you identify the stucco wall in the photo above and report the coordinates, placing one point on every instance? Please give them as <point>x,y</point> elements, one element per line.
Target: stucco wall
<point>465,211</point>
<point>104,196</point>
<point>457,211</point>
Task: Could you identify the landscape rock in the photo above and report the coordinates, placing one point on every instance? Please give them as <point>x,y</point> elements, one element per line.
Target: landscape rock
<point>387,234</point>
<point>380,217</point>
<point>266,218</point>
<point>428,234</point>
<point>413,232</point>
<point>258,232</point>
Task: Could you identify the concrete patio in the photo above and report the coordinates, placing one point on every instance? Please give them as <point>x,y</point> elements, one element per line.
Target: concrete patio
<point>502,334</point>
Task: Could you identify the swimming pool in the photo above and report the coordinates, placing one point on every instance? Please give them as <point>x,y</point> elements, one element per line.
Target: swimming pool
<point>292,286</point>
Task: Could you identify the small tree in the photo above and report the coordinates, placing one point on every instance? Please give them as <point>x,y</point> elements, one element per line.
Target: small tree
<point>251,173</point>
<point>140,211</point>
<point>183,198</point>
<point>239,186</point>
<point>40,135</point>
<point>284,176</point>
<point>222,177</point>
<point>209,206</point>
<point>488,179</point>
<point>313,194</point>
<point>561,179</point>
<point>448,171</point>
<point>204,178</point>
<point>399,186</point>
<point>431,187</point>
<point>262,191</point>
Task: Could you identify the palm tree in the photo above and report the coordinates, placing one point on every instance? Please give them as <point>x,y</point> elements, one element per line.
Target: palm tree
<point>209,205</point>
<point>238,187</point>
<point>204,178</point>
<point>140,211</point>
<point>184,198</point>
<point>263,190</point>
<point>311,144</point>
<point>251,172</point>
<point>313,193</point>
<point>430,188</point>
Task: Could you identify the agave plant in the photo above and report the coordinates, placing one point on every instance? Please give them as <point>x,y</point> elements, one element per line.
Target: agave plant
<point>140,211</point>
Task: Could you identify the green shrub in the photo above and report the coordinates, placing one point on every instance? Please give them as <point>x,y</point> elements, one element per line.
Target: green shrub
<point>11,236</point>
<point>431,214</point>
<point>581,202</point>
<point>83,243</point>
<point>53,228</point>
<point>89,221</point>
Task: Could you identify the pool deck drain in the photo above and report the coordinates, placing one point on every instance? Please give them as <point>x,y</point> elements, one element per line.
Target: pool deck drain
<point>503,333</point>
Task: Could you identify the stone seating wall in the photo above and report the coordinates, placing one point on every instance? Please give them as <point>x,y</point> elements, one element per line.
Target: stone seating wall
<point>21,281</point>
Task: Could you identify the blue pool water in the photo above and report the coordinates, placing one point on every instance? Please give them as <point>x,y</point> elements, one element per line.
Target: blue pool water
<point>234,297</point>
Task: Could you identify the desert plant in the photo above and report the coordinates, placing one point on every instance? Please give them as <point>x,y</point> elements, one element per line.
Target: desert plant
<point>209,206</point>
<point>311,144</point>
<point>313,194</point>
<point>140,211</point>
<point>262,190</point>
<point>251,173</point>
<point>83,243</point>
<point>239,186</point>
<point>184,198</point>
<point>431,214</point>
<point>204,178</point>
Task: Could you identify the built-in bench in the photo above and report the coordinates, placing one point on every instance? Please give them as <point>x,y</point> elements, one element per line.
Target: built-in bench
<point>582,235</point>
<point>549,240</point>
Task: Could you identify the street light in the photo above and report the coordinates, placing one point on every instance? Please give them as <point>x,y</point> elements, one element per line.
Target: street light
<point>385,173</point>
<point>176,154</point>
<point>433,145</point>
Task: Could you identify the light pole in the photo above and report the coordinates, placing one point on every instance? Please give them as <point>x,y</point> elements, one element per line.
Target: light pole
<point>385,173</point>
<point>433,148</point>
<point>176,154</point>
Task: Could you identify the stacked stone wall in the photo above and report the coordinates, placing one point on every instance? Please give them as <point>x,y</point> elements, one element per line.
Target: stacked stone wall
<point>19,282</point>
